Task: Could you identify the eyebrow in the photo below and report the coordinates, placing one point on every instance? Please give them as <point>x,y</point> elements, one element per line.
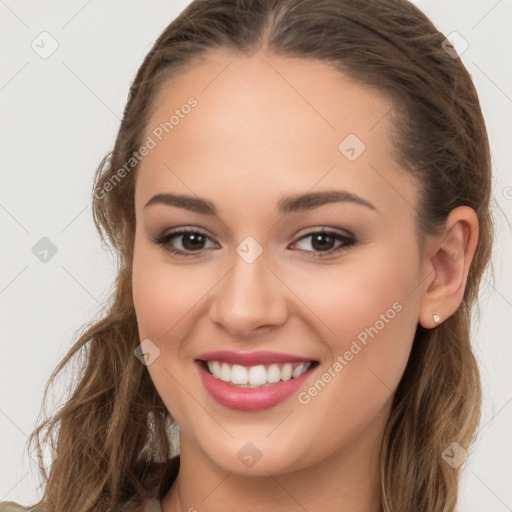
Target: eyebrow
<point>297,203</point>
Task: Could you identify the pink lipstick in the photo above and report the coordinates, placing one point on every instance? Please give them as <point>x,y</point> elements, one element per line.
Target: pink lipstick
<point>252,381</point>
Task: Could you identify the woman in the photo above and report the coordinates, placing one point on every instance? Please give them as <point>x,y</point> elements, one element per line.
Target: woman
<point>299,198</point>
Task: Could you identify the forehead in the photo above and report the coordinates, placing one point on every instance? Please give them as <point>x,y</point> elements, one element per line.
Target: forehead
<point>268,123</point>
<point>269,92</point>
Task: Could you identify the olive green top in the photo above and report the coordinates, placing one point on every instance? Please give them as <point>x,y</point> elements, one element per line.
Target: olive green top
<point>11,506</point>
<point>153,505</point>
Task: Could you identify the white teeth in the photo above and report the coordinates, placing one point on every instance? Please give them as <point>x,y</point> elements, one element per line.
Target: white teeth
<point>286,372</point>
<point>298,371</point>
<point>273,373</point>
<point>256,376</point>
<point>215,367</point>
<point>225,373</point>
<point>239,374</point>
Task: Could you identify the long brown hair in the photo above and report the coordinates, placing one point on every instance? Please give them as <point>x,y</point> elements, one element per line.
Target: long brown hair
<point>112,433</point>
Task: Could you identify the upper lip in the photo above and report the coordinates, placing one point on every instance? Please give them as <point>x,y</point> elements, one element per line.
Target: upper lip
<point>251,358</point>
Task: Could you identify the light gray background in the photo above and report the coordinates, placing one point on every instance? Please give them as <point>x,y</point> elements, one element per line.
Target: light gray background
<point>60,116</point>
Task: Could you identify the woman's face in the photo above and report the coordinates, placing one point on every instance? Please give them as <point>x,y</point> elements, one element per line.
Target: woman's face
<point>249,136</point>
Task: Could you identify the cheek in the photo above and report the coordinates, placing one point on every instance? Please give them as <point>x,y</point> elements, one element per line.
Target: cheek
<point>371,318</point>
<point>372,288</point>
<point>162,295</point>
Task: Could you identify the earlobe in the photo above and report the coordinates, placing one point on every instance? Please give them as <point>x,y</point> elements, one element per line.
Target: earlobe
<point>451,255</point>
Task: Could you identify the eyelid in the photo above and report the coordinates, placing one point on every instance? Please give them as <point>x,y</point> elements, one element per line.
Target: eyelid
<point>326,229</point>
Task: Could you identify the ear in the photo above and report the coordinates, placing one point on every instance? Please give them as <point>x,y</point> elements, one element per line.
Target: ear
<point>448,258</point>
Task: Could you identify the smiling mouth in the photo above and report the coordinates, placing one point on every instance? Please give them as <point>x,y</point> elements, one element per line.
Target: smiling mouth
<point>257,376</point>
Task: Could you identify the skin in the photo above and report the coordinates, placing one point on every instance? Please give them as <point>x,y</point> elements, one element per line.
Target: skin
<point>265,128</point>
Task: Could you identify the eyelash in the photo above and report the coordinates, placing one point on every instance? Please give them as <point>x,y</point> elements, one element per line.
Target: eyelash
<point>163,240</point>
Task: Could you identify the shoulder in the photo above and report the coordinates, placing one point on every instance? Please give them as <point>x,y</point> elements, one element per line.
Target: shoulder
<point>151,506</point>
<point>11,506</point>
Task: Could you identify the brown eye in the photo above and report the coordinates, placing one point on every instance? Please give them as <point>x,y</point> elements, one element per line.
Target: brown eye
<point>191,242</point>
<point>325,242</point>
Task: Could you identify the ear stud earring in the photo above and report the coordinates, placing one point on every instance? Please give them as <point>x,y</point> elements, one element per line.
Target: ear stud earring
<point>436,317</point>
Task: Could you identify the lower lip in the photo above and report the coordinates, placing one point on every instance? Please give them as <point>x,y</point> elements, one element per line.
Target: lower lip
<point>250,399</point>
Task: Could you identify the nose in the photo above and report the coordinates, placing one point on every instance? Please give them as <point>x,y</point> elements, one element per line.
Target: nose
<point>249,300</point>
